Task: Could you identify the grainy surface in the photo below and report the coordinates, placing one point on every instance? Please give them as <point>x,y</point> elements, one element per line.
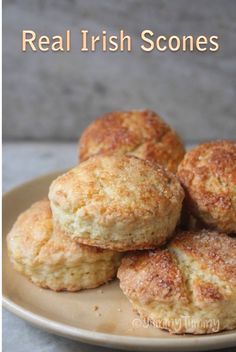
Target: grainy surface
<point>46,256</point>
<point>117,202</point>
<point>208,175</point>
<point>195,278</point>
<point>141,133</point>
<point>40,158</point>
<point>54,96</point>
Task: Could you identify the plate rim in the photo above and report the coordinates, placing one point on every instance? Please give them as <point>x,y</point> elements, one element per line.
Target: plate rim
<point>204,342</point>
<point>95,337</point>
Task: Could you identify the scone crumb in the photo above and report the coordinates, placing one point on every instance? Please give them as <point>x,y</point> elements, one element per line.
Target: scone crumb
<point>95,307</point>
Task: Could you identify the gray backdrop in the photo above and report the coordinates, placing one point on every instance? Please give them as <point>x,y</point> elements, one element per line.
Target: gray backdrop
<point>53,96</point>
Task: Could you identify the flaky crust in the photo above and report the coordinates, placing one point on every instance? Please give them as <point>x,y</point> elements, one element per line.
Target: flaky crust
<point>208,175</point>
<point>117,202</point>
<point>140,133</point>
<point>189,287</point>
<point>50,259</point>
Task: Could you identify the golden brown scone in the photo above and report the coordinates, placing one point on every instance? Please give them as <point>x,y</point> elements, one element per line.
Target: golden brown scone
<point>117,202</point>
<point>50,259</point>
<point>140,133</point>
<point>208,175</point>
<point>189,287</point>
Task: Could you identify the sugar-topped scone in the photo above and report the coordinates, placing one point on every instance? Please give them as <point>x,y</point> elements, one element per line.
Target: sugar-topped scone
<point>140,133</point>
<point>208,175</point>
<point>117,202</point>
<point>50,259</point>
<point>189,287</point>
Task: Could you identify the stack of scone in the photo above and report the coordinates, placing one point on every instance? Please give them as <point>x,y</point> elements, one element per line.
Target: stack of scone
<point>126,195</point>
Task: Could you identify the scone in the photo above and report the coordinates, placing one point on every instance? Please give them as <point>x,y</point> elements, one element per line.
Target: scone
<point>140,133</point>
<point>117,202</point>
<point>189,287</point>
<point>208,175</point>
<point>50,259</point>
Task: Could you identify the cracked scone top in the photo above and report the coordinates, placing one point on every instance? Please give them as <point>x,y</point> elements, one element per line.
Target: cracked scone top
<point>117,202</point>
<point>50,260</point>
<point>189,287</point>
<point>140,133</point>
<point>208,175</point>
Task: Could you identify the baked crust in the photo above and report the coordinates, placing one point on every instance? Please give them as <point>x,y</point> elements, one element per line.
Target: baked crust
<point>117,202</point>
<point>140,133</point>
<point>189,287</point>
<point>215,251</point>
<point>152,275</point>
<point>208,175</point>
<point>43,253</point>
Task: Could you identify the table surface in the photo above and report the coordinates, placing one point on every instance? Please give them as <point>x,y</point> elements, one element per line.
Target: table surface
<point>22,162</point>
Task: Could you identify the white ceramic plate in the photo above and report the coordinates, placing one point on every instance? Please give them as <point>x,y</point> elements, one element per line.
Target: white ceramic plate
<point>72,315</point>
